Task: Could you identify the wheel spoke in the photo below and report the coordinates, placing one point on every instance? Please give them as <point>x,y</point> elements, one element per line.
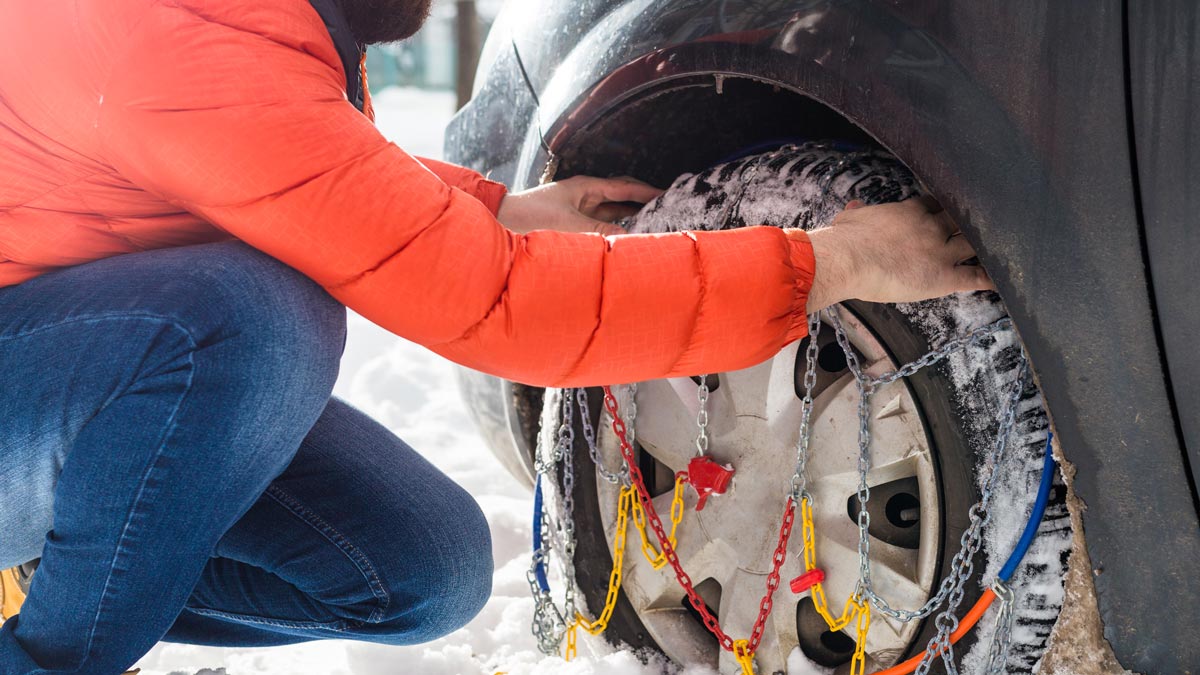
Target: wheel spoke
<point>892,570</point>
<point>740,597</point>
<point>702,559</point>
<point>833,448</point>
<point>697,647</point>
<point>669,433</point>
<point>845,483</point>
<point>759,391</point>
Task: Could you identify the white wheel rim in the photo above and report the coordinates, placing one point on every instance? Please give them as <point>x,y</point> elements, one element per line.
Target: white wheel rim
<point>754,424</point>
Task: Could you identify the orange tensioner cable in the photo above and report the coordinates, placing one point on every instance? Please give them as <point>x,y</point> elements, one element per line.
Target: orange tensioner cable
<point>968,622</point>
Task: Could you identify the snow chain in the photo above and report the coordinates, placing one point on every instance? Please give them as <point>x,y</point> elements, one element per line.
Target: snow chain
<point>549,624</point>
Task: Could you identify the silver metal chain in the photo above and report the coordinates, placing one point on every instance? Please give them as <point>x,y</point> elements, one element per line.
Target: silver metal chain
<point>866,386</point>
<point>1002,638</point>
<point>548,626</point>
<point>549,623</point>
<point>567,442</point>
<point>589,435</point>
<point>952,588</point>
<point>630,427</point>
<point>799,487</point>
<point>702,417</point>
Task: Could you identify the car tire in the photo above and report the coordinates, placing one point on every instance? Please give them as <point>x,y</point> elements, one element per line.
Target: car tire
<point>960,398</point>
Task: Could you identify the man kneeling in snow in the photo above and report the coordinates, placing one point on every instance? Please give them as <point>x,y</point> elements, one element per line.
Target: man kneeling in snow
<point>191,193</point>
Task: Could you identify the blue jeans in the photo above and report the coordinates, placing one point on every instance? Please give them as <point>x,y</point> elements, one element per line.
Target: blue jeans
<point>170,450</point>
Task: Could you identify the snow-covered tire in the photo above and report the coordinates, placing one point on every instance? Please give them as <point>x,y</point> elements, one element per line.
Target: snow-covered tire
<point>805,186</point>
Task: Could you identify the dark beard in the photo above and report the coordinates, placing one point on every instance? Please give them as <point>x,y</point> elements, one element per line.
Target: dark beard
<point>380,21</point>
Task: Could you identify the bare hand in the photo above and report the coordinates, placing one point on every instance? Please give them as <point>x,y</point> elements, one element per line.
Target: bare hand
<point>579,204</point>
<point>899,252</point>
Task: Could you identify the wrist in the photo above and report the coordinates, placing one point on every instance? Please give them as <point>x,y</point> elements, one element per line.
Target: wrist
<point>834,271</point>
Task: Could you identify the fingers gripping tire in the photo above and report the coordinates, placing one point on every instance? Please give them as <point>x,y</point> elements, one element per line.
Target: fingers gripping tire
<point>960,399</point>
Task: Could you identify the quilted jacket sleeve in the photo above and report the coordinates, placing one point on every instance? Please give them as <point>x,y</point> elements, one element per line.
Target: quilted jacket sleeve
<point>487,191</point>
<point>240,117</point>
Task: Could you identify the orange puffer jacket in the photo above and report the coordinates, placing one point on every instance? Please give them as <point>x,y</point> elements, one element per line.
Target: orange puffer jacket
<point>129,125</point>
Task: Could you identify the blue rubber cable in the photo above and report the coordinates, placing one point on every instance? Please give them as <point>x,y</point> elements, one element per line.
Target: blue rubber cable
<point>1035,518</point>
<point>540,569</point>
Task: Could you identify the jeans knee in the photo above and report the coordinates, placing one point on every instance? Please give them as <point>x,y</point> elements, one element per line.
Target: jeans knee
<point>467,575</point>
<point>456,584</point>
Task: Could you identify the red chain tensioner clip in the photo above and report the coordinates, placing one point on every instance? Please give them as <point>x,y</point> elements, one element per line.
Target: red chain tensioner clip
<point>807,580</point>
<point>708,478</point>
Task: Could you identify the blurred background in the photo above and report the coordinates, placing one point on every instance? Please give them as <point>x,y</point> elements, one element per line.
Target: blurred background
<point>442,56</point>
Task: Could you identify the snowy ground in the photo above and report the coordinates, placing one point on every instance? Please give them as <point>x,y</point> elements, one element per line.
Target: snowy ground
<point>413,392</point>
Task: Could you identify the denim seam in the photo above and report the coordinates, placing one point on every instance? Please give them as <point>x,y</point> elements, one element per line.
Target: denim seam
<point>356,556</point>
<point>169,428</point>
<point>103,317</point>
<point>338,625</point>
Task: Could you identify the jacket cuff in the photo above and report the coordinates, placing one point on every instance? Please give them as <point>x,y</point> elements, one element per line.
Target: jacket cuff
<point>804,267</point>
<point>491,194</point>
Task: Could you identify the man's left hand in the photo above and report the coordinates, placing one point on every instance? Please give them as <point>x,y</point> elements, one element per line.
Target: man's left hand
<point>579,204</point>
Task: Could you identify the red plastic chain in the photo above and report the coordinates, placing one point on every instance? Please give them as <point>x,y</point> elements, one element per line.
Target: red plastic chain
<point>710,621</point>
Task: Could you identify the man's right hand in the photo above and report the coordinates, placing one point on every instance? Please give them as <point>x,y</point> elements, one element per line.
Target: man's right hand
<point>899,252</point>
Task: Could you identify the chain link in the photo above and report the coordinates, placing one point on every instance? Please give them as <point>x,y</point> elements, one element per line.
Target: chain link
<point>799,485</point>
<point>549,625</point>
<point>633,410</point>
<point>624,502</point>
<point>589,435</point>
<point>1001,639</point>
<point>653,556</point>
<point>567,441</point>
<point>702,417</point>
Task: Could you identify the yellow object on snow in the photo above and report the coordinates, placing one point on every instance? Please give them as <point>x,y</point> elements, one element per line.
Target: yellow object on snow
<point>11,595</point>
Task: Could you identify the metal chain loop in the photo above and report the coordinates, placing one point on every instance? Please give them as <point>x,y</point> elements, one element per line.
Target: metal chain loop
<point>1001,640</point>
<point>702,417</point>
<point>963,565</point>
<point>589,435</point>
<point>567,441</point>
<point>549,625</point>
<point>629,423</point>
<point>799,491</point>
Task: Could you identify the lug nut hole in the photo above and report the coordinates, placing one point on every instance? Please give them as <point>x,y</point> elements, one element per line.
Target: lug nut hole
<point>903,510</point>
<point>838,642</point>
<point>831,358</point>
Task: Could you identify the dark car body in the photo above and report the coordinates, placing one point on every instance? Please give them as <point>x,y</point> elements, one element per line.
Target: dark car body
<point>1061,136</point>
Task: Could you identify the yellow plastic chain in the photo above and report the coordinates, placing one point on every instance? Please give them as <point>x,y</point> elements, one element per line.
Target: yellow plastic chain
<point>655,557</point>
<point>858,664</point>
<point>743,655</point>
<point>628,497</point>
<point>856,609</point>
